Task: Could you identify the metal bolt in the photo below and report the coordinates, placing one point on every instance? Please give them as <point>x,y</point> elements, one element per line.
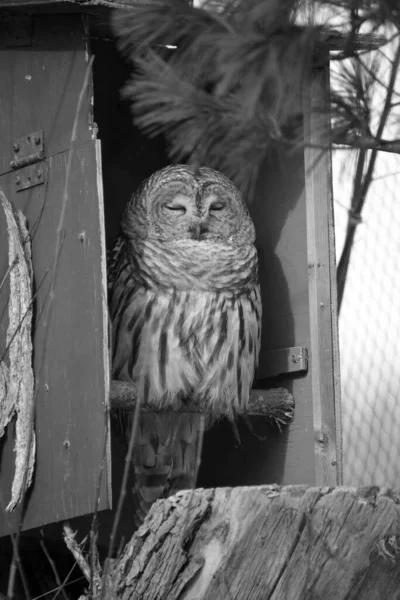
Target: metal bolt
<point>39,174</point>
<point>16,147</point>
<point>37,140</point>
<point>66,444</point>
<point>18,180</point>
<point>295,358</point>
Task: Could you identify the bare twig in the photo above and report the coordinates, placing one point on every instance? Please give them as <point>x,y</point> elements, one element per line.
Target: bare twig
<point>122,495</point>
<point>74,548</point>
<point>54,569</point>
<point>368,143</point>
<point>57,589</point>
<point>14,567</point>
<point>363,179</point>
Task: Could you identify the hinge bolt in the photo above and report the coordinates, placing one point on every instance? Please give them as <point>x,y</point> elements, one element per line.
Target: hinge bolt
<point>37,140</point>
<point>16,147</point>
<point>17,179</point>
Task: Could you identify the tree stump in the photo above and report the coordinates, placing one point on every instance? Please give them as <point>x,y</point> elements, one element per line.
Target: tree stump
<point>266,542</point>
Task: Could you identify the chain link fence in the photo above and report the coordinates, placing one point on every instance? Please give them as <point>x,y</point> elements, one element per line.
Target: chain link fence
<point>369,325</point>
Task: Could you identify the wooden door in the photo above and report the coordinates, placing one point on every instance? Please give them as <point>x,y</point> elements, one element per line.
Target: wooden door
<point>46,87</point>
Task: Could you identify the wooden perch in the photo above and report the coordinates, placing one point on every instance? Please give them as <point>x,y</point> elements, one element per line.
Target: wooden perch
<point>276,404</point>
<point>283,543</point>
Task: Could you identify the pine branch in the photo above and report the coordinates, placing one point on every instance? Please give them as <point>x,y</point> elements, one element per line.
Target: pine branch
<point>230,89</point>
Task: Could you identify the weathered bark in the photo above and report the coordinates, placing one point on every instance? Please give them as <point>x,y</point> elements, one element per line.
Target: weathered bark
<point>276,404</point>
<point>264,542</point>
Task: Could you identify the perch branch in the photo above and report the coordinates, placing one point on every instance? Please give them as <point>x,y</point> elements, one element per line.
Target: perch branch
<point>276,404</point>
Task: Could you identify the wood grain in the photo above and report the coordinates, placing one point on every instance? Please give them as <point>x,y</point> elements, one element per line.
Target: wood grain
<point>280,543</point>
<point>69,365</point>
<point>40,89</point>
<point>40,85</point>
<point>322,284</point>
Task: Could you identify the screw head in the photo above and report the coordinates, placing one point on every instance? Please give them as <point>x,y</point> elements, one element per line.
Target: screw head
<point>37,140</point>
<point>17,179</point>
<point>16,147</point>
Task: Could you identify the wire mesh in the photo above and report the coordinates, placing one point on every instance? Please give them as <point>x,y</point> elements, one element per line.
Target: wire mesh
<point>369,326</point>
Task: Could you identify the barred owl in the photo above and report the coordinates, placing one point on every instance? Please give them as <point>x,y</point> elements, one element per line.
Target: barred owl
<point>185,310</point>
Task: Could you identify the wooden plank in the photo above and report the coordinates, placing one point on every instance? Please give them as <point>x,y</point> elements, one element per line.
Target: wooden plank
<point>76,4</point>
<point>70,345</point>
<point>321,273</point>
<point>280,543</point>
<point>40,85</point>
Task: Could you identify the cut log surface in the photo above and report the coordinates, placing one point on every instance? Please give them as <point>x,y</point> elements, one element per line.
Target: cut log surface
<point>267,542</point>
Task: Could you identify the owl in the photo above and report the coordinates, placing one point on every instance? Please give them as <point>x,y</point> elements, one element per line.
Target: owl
<point>185,311</point>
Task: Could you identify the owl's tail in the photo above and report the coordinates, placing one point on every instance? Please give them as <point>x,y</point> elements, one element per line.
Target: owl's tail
<point>166,457</point>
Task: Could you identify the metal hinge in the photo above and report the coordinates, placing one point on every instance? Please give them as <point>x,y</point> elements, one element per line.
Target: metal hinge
<point>28,152</point>
<point>286,360</point>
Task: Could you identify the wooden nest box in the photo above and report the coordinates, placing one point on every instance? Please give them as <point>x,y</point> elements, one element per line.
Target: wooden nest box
<point>70,158</point>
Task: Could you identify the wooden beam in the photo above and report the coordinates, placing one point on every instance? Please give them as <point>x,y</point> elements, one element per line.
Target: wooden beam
<point>331,40</point>
<point>263,542</point>
<point>276,404</point>
<point>324,363</point>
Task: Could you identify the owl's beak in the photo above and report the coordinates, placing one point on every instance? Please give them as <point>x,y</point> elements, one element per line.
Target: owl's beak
<point>197,230</point>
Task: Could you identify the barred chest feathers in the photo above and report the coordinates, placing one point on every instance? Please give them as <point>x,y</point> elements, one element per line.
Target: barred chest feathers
<point>186,323</point>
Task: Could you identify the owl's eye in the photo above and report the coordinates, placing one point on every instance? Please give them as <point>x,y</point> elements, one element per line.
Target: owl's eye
<point>217,206</point>
<point>178,208</point>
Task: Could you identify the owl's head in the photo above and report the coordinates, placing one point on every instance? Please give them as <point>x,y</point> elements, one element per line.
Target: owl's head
<point>183,202</point>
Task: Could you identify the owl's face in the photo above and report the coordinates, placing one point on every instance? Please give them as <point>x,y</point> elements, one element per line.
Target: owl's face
<point>182,202</point>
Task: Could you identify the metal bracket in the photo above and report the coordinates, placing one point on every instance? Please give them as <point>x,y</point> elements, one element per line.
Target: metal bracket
<point>28,152</point>
<point>31,176</point>
<point>286,360</point>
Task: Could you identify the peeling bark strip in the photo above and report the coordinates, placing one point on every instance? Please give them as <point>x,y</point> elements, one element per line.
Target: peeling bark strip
<point>276,404</point>
<point>16,379</point>
<point>267,542</point>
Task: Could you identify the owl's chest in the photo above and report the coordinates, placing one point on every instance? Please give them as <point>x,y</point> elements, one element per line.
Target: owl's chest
<point>187,342</point>
<point>185,317</point>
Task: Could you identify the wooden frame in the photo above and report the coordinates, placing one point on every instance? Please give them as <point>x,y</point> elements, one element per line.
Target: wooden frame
<point>322,284</point>
<point>316,429</point>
